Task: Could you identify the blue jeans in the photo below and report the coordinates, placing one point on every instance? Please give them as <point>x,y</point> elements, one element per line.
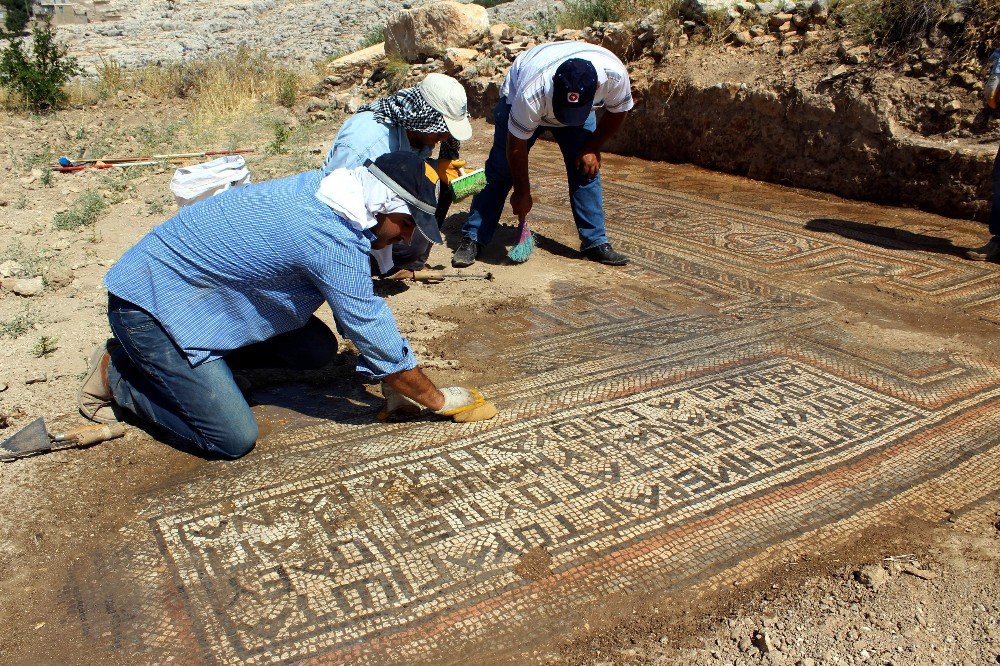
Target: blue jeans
<point>151,377</point>
<point>995,208</point>
<point>585,194</point>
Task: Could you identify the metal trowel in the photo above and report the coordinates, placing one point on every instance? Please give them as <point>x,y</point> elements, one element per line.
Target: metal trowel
<point>34,438</point>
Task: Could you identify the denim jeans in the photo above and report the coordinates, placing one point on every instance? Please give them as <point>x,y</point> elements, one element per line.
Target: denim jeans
<point>151,377</point>
<point>585,194</point>
<point>995,208</point>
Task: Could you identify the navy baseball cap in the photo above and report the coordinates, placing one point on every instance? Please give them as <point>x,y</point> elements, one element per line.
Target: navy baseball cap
<point>416,182</point>
<point>574,86</point>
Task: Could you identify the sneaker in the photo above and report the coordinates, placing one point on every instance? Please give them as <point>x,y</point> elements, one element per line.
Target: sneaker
<point>466,253</point>
<point>988,252</point>
<point>606,254</point>
<point>94,397</point>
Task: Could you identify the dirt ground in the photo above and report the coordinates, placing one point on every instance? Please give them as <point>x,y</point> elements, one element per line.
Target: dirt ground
<point>924,594</point>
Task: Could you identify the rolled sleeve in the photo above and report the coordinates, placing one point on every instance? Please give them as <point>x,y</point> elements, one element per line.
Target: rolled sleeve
<point>361,316</point>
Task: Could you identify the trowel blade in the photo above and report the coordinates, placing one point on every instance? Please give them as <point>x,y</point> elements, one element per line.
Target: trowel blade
<point>32,437</point>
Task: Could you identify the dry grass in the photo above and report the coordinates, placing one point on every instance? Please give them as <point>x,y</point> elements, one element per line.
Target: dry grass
<point>899,25</point>
<point>220,87</point>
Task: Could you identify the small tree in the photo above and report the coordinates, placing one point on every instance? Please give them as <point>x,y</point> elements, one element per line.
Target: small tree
<point>38,77</point>
<point>18,13</point>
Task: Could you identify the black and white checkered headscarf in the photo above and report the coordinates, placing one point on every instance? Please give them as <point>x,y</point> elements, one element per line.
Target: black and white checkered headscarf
<point>408,109</point>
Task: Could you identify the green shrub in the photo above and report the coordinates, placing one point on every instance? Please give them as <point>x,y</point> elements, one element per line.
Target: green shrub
<point>20,324</point>
<point>84,212</point>
<point>18,13</point>
<point>38,78</point>
<point>282,133</point>
<point>45,346</point>
<point>372,37</point>
<point>544,22</point>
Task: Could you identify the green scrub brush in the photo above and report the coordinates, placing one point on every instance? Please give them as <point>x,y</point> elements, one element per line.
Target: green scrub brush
<point>525,243</point>
<point>467,184</point>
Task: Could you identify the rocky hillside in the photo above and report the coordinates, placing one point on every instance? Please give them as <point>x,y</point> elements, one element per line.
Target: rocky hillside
<point>151,31</point>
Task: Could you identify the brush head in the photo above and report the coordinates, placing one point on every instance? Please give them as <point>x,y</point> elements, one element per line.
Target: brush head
<point>468,184</point>
<point>520,252</point>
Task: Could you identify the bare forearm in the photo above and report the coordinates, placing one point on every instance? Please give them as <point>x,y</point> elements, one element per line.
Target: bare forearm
<point>607,127</point>
<point>415,385</point>
<point>517,158</point>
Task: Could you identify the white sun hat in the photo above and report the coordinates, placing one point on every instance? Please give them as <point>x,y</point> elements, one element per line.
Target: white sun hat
<point>447,96</point>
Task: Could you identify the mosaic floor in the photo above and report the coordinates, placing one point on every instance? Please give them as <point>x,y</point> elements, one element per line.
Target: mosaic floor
<point>660,434</point>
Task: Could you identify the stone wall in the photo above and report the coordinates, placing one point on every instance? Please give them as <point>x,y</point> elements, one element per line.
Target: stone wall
<point>831,142</point>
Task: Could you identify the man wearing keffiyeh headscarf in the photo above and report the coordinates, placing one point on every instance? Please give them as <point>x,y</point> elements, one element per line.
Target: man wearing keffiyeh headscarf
<point>415,120</point>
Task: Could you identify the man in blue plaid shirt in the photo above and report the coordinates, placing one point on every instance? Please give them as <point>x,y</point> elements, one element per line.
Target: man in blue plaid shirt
<point>234,280</point>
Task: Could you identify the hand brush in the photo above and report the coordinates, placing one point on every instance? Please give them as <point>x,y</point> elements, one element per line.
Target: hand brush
<point>525,243</point>
<point>467,184</point>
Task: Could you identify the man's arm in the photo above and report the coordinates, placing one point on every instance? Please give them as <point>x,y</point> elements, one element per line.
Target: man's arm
<point>415,385</point>
<point>589,160</point>
<point>517,158</point>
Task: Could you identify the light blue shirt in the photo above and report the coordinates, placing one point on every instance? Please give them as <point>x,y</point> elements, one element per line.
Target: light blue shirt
<point>362,138</point>
<point>257,261</point>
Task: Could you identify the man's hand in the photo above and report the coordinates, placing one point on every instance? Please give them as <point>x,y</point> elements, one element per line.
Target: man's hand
<point>448,170</point>
<point>521,203</point>
<point>397,405</point>
<point>589,164</point>
<point>465,405</point>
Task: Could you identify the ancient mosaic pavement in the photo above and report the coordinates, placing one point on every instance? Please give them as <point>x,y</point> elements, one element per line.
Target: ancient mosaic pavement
<point>652,437</point>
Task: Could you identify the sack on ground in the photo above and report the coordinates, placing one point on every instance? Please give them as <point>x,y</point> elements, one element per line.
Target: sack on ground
<point>194,183</point>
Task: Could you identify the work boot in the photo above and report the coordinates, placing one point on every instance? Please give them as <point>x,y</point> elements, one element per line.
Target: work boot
<point>606,254</point>
<point>94,397</point>
<point>988,252</point>
<point>466,253</point>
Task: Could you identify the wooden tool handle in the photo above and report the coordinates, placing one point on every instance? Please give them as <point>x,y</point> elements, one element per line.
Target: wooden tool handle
<point>92,434</point>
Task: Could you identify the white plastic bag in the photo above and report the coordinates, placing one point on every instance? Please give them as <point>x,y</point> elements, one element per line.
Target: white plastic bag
<point>194,183</point>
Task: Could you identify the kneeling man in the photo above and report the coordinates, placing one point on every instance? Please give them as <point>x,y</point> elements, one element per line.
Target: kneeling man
<point>233,282</point>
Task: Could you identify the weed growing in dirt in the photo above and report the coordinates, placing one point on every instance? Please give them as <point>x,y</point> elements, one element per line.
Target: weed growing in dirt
<point>85,211</point>
<point>38,77</point>
<point>372,37</point>
<point>45,346</point>
<point>484,66</point>
<point>21,202</point>
<point>155,207</point>
<point>19,324</point>
<point>155,135</point>
<point>279,144</point>
<point>396,72</point>
<point>30,261</point>
<point>118,183</point>
<point>43,156</point>
<point>46,177</point>
<point>287,89</point>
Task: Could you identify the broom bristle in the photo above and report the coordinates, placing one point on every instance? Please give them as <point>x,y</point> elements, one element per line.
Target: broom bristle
<point>520,252</point>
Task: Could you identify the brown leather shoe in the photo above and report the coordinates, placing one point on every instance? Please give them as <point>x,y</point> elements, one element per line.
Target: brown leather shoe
<point>94,397</point>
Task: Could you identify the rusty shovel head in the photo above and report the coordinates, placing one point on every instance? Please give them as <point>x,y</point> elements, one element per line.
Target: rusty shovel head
<point>29,439</point>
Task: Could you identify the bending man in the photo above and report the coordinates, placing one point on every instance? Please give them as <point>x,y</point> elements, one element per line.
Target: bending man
<point>234,280</point>
<point>415,120</point>
<point>552,87</point>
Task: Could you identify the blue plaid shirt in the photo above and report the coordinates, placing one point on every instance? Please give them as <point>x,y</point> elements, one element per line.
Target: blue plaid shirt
<point>257,261</point>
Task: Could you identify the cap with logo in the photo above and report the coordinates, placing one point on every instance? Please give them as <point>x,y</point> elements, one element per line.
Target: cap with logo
<point>447,96</point>
<point>574,87</point>
<point>416,182</point>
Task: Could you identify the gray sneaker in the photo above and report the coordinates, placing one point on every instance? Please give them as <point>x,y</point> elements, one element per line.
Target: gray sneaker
<point>988,252</point>
<point>466,253</point>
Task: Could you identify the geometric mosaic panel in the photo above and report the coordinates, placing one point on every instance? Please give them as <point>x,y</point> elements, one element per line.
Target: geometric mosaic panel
<point>651,437</point>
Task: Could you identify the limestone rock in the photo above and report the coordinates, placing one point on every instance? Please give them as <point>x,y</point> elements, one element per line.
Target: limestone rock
<point>871,576</point>
<point>699,9</point>
<point>10,268</point>
<point>417,34</point>
<point>456,59</point>
<point>23,286</point>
